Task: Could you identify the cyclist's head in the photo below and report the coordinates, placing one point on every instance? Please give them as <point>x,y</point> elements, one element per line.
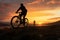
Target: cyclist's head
<point>21,4</point>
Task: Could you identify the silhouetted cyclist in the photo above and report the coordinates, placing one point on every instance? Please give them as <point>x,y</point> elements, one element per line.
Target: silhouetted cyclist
<point>23,13</point>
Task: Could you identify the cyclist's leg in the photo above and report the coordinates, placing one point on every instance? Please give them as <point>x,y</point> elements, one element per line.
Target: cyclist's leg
<point>21,18</point>
<point>24,19</point>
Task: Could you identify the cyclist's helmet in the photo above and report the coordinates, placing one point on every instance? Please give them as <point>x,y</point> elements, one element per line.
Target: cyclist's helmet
<point>21,4</point>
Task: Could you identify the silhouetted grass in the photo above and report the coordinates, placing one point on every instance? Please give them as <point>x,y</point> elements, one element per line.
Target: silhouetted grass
<point>29,33</point>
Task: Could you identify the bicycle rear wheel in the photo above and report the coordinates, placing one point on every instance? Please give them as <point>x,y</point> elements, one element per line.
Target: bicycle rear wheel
<point>15,21</point>
<point>26,22</point>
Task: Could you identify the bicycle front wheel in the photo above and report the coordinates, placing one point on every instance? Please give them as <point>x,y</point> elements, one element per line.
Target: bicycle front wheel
<point>15,21</point>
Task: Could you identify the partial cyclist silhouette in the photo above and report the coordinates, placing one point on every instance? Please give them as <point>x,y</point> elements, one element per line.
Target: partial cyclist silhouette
<point>23,13</point>
<point>17,21</point>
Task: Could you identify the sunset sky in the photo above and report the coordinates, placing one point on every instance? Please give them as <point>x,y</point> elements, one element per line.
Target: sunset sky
<point>42,11</point>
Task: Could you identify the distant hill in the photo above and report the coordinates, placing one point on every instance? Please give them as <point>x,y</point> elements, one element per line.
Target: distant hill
<point>4,24</point>
<point>57,23</point>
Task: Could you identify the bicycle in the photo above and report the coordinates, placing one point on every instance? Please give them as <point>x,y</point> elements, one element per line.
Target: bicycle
<point>15,21</point>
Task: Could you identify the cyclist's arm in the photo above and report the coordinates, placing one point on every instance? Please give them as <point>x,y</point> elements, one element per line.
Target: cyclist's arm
<point>18,9</point>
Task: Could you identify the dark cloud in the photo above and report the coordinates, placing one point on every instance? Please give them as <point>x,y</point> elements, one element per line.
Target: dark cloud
<point>5,8</point>
<point>16,1</point>
<point>46,3</point>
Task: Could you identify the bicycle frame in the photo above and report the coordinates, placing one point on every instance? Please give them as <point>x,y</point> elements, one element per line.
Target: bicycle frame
<point>16,22</point>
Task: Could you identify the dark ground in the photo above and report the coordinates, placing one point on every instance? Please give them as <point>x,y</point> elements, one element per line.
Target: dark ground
<point>30,33</point>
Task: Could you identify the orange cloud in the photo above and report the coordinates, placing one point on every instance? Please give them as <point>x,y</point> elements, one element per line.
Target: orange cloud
<point>40,13</point>
<point>34,2</point>
<point>53,19</point>
<point>56,18</point>
<point>54,2</point>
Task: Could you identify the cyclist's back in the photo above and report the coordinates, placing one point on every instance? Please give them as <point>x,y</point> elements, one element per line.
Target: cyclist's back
<point>23,9</point>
